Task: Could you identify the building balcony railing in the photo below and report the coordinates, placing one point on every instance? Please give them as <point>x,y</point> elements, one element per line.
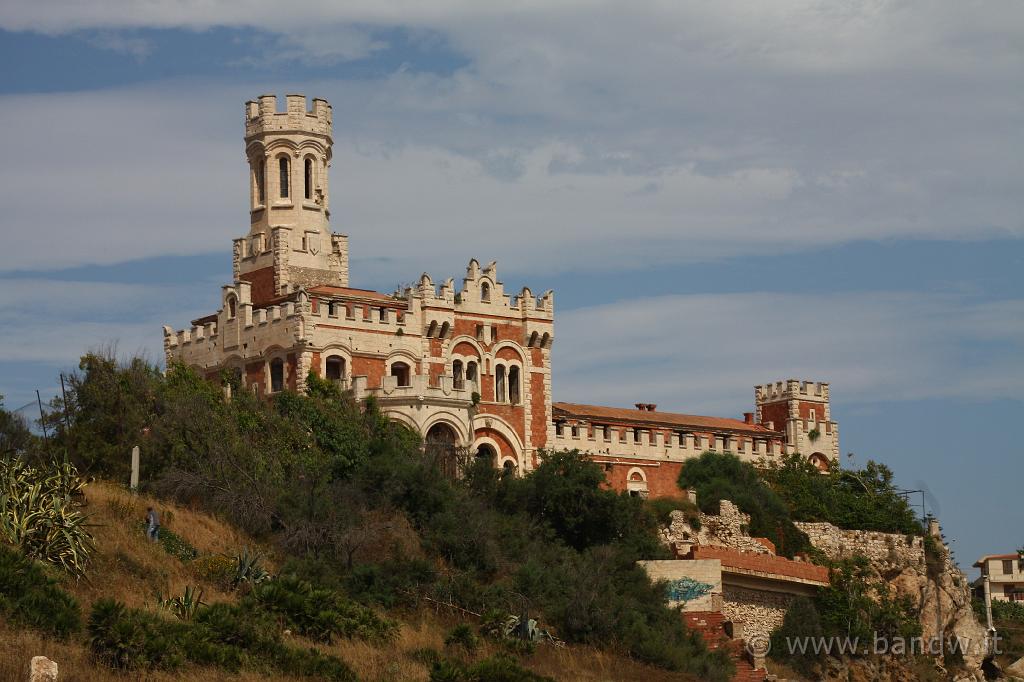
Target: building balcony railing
<point>419,388</point>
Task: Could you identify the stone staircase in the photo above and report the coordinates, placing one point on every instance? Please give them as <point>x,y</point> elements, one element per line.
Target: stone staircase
<point>711,627</point>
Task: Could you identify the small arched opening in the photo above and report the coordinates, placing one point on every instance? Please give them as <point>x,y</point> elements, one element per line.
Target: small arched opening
<point>334,369</point>
<point>471,371</point>
<point>232,307</point>
<point>400,370</point>
<point>820,461</point>
<point>485,452</point>
<point>458,376</point>
<point>636,483</point>
<point>485,292</point>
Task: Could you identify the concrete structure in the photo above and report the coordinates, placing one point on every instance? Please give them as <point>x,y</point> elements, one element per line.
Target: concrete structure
<point>1005,573</point>
<point>465,368</point>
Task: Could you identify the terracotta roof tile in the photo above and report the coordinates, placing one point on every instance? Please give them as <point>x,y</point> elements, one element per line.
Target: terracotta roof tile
<point>328,290</point>
<point>671,419</point>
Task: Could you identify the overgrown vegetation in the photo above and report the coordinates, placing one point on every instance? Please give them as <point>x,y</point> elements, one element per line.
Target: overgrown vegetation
<point>863,499</point>
<point>719,477</point>
<point>854,607</point>
<point>348,496</point>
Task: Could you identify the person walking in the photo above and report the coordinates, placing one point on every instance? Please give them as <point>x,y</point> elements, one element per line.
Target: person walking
<point>152,524</point>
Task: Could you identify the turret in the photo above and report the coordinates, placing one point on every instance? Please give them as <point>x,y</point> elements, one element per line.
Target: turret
<point>289,243</point>
<point>801,409</point>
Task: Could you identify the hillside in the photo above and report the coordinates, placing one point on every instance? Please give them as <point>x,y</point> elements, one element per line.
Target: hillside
<point>133,570</point>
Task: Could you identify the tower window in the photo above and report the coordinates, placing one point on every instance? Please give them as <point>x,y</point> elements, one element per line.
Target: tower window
<point>277,375</point>
<point>261,178</point>
<point>231,307</point>
<point>499,383</point>
<point>513,384</point>
<point>309,178</point>
<point>283,166</point>
<point>457,374</point>
<point>485,292</point>
<point>471,371</point>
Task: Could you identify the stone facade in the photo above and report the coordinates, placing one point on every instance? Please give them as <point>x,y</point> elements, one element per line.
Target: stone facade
<point>760,611</point>
<point>468,367</point>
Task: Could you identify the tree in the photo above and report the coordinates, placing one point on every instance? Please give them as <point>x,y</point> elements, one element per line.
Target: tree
<point>15,437</point>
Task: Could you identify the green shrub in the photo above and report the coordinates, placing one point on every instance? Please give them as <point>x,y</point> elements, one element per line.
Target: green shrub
<point>129,639</point>
<point>462,636</point>
<point>800,624</point>
<point>319,613</point>
<point>29,597</point>
<point>495,669</point>
<point>221,635</point>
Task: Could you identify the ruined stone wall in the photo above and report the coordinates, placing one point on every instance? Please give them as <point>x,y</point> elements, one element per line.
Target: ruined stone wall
<point>884,550</point>
<point>725,529</point>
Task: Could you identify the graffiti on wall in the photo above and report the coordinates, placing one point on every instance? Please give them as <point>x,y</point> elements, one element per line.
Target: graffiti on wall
<point>687,589</point>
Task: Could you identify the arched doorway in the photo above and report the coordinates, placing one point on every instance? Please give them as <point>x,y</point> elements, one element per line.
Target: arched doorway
<point>441,447</point>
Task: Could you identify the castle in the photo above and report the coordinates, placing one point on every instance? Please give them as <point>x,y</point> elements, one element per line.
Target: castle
<point>466,368</point>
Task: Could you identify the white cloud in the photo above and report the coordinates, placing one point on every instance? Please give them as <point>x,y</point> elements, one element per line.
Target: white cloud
<point>58,321</point>
<point>704,353</point>
<point>580,135</point>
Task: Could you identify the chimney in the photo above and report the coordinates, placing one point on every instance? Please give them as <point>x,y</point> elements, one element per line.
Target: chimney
<point>748,417</point>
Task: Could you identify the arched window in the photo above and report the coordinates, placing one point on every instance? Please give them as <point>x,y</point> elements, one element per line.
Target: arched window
<point>457,376</point>
<point>499,384</point>
<point>308,175</point>
<point>513,384</point>
<point>485,451</point>
<point>401,371</point>
<point>636,484</point>
<point>485,292</point>
<point>282,164</point>
<point>335,368</point>
<point>471,371</point>
<point>445,328</point>
<point>276,375</point>
<point>261,181</point>
<point>509,466</point>
<point>231,307</point>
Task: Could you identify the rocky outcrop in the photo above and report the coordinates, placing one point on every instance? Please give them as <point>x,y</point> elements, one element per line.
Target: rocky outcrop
<point>42,669</point>
<point>938,590</point>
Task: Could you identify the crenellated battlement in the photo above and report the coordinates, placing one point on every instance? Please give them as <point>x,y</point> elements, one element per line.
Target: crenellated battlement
<point>483,292</point>
<point>791,389</point>
<point>262,116</point>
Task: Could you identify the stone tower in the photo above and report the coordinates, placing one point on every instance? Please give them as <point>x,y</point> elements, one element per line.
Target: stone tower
<point>289,244</point>
<point>802,410</point>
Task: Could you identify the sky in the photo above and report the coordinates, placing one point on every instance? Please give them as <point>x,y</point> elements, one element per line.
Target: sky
<point>721,195</point>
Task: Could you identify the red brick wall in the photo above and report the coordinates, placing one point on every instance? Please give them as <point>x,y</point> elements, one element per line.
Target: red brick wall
<point>661,479</point>
<point>370,367</point>
<point>291,372</point>
<point>508,353</point>
<point>262,282</point>
<point>316,364</point>
<point>505,448</point>
<point>777,413</point>
<point>807,409</point>
<point>515,415</point>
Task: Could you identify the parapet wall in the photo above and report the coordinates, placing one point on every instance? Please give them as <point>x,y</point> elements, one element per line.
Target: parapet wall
<point>262,116</point>
<point>791,389</point>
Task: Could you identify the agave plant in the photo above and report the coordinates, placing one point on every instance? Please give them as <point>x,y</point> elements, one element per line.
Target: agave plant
<point>248,569</point>
<point>40,514</point>
<point>185,606</point>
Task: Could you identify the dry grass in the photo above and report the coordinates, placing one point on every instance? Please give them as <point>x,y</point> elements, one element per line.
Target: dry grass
<point>133,570</point>
<point>140,568</point>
